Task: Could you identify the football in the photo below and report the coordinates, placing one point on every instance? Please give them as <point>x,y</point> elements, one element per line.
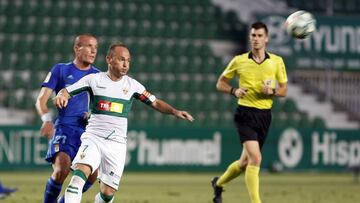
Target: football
<point>300,24</point>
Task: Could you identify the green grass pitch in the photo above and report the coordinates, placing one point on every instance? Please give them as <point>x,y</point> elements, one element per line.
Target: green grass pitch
<point>179,187</point>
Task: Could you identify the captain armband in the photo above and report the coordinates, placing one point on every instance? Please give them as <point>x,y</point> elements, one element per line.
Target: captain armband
<point>146,97</point>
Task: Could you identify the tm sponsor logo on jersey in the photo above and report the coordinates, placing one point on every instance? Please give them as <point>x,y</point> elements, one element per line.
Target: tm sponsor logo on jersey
<point>110,106</point>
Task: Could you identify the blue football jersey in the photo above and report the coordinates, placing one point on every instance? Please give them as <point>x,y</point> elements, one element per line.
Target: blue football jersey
<point>63,75</point>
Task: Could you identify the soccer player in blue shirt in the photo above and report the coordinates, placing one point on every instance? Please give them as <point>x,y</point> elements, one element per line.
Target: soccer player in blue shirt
<point>65,133</point>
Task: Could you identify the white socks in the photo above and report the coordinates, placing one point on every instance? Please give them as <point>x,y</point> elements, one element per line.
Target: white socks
<point>73,191</point>
<point>99,199</point>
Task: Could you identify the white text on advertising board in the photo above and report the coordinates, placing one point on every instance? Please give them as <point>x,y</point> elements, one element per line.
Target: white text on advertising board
<point>22,147</point>
<point>174,151</point>
<point>329,150</point>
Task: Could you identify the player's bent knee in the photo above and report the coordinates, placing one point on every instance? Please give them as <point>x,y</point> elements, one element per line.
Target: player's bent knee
<point>62,159</point>
<point>93,177</point>
<point>109,191</point>
<point>59,174</point>
<point>86,169</point>
<point>254,160</point>
<point>106,190</point>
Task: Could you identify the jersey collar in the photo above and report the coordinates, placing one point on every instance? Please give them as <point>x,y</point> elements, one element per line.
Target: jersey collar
<point>85,70</point>
<point>250,56</point>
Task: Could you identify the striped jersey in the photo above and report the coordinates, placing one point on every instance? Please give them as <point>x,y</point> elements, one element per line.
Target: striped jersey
<point>110,103</point>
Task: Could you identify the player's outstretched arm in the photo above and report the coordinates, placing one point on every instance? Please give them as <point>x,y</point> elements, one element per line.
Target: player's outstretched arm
<point>62,98</point>
<point>164,107</point>
<point>47,127</point>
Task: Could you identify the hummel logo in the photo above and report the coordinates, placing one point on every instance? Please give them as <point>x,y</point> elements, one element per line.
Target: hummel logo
<point>101,87</point>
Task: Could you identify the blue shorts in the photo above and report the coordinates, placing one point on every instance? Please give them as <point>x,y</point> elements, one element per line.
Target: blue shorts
<point>66,139</point>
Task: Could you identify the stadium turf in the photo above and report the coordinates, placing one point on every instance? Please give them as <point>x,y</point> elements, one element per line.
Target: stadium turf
<point>195,188</point>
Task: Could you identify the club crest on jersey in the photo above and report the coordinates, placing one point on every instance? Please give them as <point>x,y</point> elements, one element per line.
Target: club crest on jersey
<point>56,147</point>
<point>82,156</point>
<point>125,90</point>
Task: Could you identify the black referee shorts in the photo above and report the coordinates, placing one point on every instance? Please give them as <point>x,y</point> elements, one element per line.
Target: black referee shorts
<point>252,123</point>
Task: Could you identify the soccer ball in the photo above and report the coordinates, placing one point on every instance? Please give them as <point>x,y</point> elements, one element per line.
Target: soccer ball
<point>300,24</point>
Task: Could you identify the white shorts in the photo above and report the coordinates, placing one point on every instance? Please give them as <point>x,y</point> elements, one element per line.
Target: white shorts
<point>106,155</point>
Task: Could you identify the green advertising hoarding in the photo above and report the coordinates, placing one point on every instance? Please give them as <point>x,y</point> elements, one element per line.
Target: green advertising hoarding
<point>335,44</point>
<point>22,147</point>
<point>199,149</point>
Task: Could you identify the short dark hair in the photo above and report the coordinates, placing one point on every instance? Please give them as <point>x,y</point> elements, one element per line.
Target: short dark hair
<point>259,25</point>
<point>113,46</point>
